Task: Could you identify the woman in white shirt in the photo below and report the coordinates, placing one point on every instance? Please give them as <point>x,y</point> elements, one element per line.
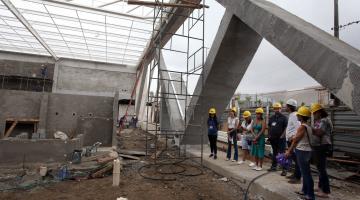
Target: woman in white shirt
<point>233,123</point>
<point>301,142</point>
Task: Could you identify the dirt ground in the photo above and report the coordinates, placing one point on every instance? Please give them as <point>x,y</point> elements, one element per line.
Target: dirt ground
<point>180,181</point>
<point>133,187</point>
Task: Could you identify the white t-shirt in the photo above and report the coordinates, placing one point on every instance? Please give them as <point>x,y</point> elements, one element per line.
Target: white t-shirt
<point>292,126</point>
<point>232,122</point>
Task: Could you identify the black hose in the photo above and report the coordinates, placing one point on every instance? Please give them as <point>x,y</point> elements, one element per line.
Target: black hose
<point>179,164</point>
<point>251,182</point>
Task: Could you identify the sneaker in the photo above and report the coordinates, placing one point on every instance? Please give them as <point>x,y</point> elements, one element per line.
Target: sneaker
<point>227,159</point>
<point>292,176</point>
<point>215,157</point>
<point>211,155</point>
<point>272,169</point>
<point>258,168</point>
<point>254,167</point>
<point>283,173</point>
<point>251,164</point>
<point>240,162</point>
<point>233,160</point>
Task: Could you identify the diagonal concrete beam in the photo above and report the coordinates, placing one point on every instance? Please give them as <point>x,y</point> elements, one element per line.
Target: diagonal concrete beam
<point>230,55</point>
<point>172,102</point>
<point>331,62</point>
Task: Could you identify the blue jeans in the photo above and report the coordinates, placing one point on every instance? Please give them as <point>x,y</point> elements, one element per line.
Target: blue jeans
<point>304,158</point>
<point>234,139</point>
<point>320,159</point>
<point>297,173</point>
<point>278,145</point>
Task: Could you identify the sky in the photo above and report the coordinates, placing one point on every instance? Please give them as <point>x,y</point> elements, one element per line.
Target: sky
<point>277,72</point>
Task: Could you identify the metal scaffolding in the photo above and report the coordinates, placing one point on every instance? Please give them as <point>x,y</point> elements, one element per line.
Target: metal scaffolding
<point>172,86</point>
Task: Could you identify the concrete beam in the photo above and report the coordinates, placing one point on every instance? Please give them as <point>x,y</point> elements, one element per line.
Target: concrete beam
<point>230,55</point>
<point>331,62</point>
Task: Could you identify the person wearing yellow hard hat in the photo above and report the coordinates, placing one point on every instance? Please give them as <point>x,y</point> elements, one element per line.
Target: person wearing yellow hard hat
<point>245,129</point>
<point>213,127</point>
<point>233,123</point>
<point>302,143</point>
<point>258,143</point>
<point>323,128</point>
<point>276,133</point>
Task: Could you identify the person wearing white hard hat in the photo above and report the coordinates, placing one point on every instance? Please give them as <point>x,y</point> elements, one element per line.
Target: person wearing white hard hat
<point>291,129</point>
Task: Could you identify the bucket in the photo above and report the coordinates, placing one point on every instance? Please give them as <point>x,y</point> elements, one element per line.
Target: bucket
<point>76,156</point>
<point>43,170</point>
<point>63,173</point>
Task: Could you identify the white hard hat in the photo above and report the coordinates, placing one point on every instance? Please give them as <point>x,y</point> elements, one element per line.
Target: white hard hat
<point>292,102</point>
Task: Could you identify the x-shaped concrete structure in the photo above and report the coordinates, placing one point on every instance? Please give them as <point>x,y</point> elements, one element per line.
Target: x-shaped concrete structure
<point>331,62</point>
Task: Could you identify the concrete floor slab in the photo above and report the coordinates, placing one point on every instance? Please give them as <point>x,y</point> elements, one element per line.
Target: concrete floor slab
<point>271,186</point>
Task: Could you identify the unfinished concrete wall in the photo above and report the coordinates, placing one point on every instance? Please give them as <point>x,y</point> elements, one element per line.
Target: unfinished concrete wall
<point>65,111</point>
<point>89,78</point>
<point>14,151</point>
<point>72,114</point>
<point>25,69</point>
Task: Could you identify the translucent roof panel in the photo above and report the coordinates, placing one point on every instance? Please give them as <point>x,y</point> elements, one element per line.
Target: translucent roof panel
<point>15,37</point>
<point>98,30</point>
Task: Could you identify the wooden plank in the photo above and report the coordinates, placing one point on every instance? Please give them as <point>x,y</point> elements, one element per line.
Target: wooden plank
<point>132,152</point>
<point>100,173</point>
<point>129,157</point>
<point>8,132</point>
<point>22,119</point>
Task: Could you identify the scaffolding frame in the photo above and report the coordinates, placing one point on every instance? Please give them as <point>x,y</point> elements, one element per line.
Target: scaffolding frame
<point>195,18</point>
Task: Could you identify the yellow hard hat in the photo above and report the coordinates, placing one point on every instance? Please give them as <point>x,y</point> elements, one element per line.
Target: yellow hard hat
<point>259,110</point>
<point>304,111</point>
<point>277,105</point>
<point>233,109</point>
<point>212,111</point>
<point>247,114</point>
<point>315,107</point>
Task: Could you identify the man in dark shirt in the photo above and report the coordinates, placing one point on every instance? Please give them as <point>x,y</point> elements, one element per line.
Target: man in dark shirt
<point>277,130</point>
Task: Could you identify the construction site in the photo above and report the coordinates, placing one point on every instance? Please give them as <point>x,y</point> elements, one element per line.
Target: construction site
<point>111,99</point>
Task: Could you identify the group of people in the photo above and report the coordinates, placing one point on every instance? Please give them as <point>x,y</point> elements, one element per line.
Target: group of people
<point>296,137</point>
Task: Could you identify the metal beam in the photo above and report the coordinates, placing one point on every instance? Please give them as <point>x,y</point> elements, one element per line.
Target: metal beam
<point>109,3</point>
<point>74,5</point>
<point>18,15</point>
<point>175,5</point>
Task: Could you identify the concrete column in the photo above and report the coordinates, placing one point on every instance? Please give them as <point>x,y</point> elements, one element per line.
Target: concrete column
<point>230,55</point>
<point>56,75</point>
<point>43,114</point>
<point>2,126</point>
<point>173,105</point>
<point>115,117</point>
<point>164,116</point>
